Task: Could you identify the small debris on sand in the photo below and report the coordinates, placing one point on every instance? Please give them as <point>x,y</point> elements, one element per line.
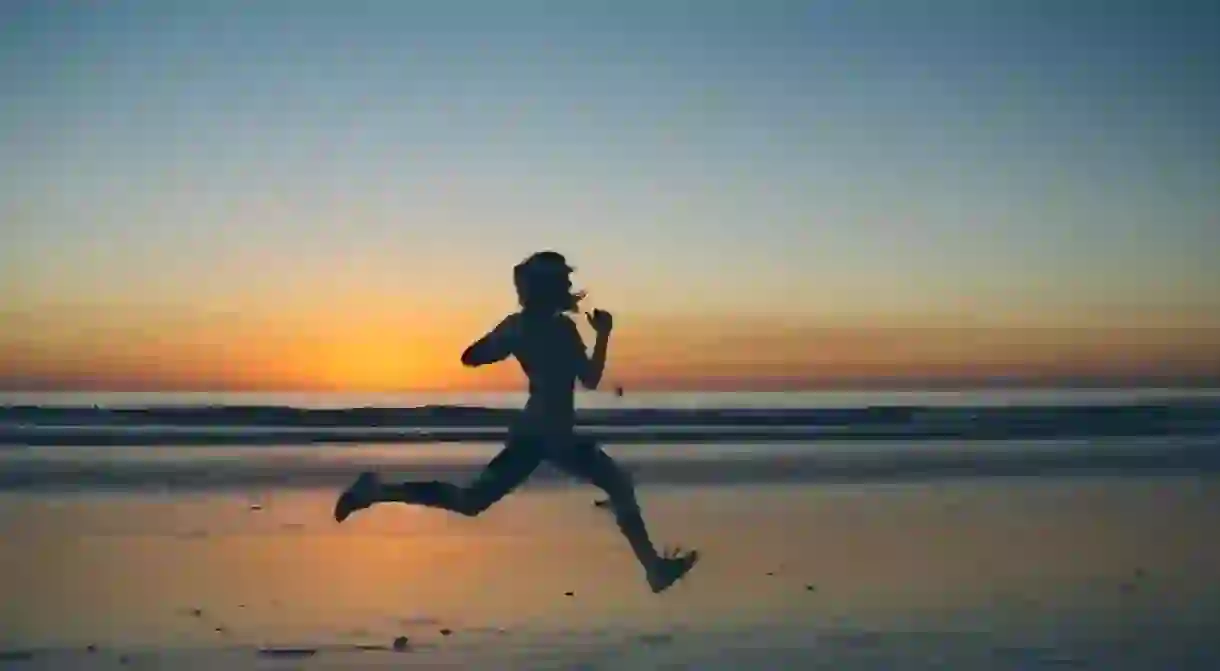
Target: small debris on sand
<point>283,653</point>
<point>402,644</point>
<point>656,639</point>
<point>446,632</point>
<point>569,593</point>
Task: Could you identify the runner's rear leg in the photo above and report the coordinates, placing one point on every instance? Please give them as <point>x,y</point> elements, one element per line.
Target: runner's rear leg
<point>507,471</point>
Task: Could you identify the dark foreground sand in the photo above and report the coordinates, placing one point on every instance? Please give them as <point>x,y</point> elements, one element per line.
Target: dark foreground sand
<point>958,574</point>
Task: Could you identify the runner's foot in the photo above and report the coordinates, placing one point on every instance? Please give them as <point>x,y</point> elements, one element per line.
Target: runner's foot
<point>669,569</point>
<point>360,495</point>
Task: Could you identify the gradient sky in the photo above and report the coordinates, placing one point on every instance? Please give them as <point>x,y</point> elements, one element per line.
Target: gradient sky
<point>331,195</point>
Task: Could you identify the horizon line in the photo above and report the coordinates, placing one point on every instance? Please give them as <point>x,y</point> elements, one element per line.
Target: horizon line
<point>1193,383</point>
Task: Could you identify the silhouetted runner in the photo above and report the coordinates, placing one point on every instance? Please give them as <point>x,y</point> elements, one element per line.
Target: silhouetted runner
<point>551,352</point>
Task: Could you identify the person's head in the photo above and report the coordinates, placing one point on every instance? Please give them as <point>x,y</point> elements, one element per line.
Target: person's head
<point>544,284</point>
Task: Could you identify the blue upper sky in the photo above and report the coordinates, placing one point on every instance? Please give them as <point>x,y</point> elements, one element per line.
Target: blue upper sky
<point>731,158</point>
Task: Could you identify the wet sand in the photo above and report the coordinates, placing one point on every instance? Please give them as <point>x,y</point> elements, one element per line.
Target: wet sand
<point>1112,573</point>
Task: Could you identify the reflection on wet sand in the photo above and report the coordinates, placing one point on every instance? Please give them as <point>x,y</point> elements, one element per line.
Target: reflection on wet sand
<point>852,568</point>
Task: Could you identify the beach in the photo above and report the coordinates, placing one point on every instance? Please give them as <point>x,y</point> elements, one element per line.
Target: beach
<point>971,573</point>
<point>913,532</point>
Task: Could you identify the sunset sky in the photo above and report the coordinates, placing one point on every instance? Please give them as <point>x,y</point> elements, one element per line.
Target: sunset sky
<point>331,195</point>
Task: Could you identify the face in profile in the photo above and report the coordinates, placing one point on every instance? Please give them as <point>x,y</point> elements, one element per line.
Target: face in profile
<point>544,284</point>
<point>557,291</point>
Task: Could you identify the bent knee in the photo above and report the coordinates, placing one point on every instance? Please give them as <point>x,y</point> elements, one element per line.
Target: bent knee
<point>471,504</point>
<point>621,493</point>
<point>616,482</point>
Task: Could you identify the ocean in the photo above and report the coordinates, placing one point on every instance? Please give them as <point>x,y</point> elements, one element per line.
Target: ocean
<point>602,399</point>
<point>126,440</point>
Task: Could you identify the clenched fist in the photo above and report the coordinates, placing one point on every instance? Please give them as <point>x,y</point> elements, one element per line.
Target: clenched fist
<point>601,321</point>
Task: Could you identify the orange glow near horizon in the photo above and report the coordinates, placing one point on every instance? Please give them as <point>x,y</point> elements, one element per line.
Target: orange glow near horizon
<point>362,350</point>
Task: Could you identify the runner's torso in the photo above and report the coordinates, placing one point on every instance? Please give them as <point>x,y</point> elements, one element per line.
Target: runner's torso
<point>546,348</point>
